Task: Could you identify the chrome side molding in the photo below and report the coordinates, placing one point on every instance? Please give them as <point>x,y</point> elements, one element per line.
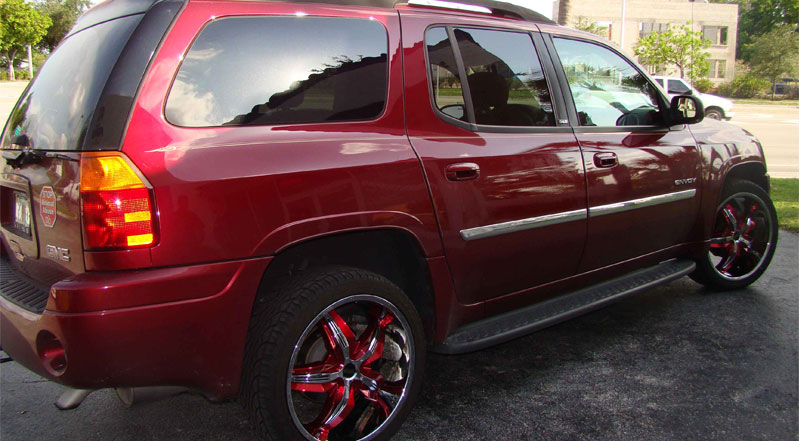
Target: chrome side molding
<point>619,207</point>
<point>522,224</point>
<point>569,216</point>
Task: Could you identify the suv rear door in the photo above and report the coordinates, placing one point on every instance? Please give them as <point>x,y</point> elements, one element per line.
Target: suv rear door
<point>505,174</point>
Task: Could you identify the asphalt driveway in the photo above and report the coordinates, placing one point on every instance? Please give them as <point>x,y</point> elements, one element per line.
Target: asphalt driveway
<point>675,363</point>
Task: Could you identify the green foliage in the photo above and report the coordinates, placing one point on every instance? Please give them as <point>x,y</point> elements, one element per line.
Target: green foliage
<point>775,54</point>
<point>20,25</point>
<point>746,85</point>
<point>678,46</point>
<point>758,17</point>
<point>18,75</point>
<point>703,84</point>
<point>584,24</point>
<point>784,194</point>
<point>63,13</point>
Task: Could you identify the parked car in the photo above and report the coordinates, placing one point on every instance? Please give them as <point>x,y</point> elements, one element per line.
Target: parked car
<point>716,107</point>
<point>290,203</point>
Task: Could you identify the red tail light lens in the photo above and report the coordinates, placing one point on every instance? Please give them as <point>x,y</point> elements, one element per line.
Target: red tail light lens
<point>118,210</point>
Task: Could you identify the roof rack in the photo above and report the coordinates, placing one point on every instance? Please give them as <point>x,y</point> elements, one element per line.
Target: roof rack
<point>496,8</point>
<point>486,7</point>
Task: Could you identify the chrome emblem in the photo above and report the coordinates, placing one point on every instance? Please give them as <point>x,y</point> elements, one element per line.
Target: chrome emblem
<point>58,253</point>
<point>685,181</point>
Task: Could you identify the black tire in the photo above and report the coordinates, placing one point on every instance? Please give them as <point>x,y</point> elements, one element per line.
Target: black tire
<point>743,238</point>
<point>714,113</point>
<point>307,326</point>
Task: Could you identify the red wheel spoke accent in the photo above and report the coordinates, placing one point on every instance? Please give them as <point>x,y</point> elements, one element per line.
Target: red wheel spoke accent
<point>370,347</point>
<point>317,377</point>
<point>721,242</point>
<point>338,336</point>
<point>729,213</point>
<point>340,403</point>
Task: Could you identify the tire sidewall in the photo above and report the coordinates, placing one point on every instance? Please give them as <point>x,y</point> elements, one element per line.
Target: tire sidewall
<point>275,359</point>
<point>708,274</point>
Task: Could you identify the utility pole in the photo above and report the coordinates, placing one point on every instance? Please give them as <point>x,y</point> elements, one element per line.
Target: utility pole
<point>624,16</point>
<point>30,63</point>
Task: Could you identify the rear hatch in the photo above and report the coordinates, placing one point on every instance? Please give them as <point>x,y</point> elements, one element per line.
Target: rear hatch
<point>79,102</point>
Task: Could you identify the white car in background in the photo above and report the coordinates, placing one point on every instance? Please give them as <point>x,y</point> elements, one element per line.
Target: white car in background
<point>716,106</point>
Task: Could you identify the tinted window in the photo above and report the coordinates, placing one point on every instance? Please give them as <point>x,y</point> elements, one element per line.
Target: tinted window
<point>281,70</point>
<point>505,78</point>
<point>678,87</point>
<point>56,109</point>
<point>445,82</point>
<point>606,88</point>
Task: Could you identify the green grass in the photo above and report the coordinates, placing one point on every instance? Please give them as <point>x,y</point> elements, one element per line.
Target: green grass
<point>777,102</point>
<point>784,196</point>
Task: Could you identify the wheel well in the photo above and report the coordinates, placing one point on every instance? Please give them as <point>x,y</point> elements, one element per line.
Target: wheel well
<point>750,171</point>
<point>394,254</point>
<point>715,108</point>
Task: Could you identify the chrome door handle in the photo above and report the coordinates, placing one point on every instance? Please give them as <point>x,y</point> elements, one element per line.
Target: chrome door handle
<point>462,171</point>
<point>605,159</point>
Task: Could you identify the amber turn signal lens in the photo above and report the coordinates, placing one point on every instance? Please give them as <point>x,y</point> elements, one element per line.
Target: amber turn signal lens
<point>117,205</point>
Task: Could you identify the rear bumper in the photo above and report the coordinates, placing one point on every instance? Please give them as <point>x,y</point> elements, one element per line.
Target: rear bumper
<point>193,337</point>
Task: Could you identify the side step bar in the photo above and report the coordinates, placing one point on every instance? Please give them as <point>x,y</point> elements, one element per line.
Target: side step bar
<point>504,327</point>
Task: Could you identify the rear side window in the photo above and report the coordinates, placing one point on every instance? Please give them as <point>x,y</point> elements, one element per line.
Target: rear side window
<point>281,70</point>
<point>502,73</point>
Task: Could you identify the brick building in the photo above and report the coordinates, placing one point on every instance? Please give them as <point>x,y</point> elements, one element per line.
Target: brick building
<point>627,20</point>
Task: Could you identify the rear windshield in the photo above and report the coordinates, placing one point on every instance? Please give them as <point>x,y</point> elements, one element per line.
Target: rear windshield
<point>281,70</point>
<point>55,110</point>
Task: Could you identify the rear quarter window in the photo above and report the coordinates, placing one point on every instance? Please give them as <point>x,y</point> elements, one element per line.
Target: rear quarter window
<point>281,70</point>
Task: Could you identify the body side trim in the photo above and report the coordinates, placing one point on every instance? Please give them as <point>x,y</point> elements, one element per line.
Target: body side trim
<point>569,216</point>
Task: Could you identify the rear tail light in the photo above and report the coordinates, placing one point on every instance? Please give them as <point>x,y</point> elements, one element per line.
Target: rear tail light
<point>117,204</point>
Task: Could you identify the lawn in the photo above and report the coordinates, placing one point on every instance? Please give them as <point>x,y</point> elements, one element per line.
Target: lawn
<point>784,196</point>
<point>777,102</point>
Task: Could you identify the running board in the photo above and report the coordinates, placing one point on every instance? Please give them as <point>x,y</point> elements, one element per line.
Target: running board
<point>504,327</point>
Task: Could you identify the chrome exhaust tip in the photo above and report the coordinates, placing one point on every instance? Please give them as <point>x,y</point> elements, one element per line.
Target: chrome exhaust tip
<point>72,398</point>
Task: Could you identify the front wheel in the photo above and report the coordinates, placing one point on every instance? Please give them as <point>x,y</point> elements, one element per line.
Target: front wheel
<point>714,114</point>
<point>339,357</point>
<point>743,238</point>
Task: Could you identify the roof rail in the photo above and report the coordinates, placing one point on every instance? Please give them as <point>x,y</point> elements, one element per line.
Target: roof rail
<point>450,5</point>
<point>486,7</point>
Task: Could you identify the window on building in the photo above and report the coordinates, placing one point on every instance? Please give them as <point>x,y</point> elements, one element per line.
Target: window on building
<point>717,69</point>
<point>717,35</point>
<point>240,71</point>
<point>646,29</point>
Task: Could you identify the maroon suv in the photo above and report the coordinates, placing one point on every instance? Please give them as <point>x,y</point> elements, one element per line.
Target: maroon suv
<point>291,202</point>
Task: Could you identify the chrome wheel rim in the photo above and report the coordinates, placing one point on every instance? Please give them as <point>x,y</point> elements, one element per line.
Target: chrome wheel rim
<point>350,370</point>
<point>742,237</point>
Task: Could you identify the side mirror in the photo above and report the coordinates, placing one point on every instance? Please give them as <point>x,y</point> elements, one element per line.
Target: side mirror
<point>686,109</point>
<point>456,111</point>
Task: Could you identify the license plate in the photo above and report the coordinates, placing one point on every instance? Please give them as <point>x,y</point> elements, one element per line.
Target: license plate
<point>22,213</point>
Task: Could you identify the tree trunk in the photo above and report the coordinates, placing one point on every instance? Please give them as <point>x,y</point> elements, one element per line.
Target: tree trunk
<point>774,82</point>
<point>10,56</point>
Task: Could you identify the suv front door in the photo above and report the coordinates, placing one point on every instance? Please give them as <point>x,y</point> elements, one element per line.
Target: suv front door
<point>642,175</point>
<point>506,180</point>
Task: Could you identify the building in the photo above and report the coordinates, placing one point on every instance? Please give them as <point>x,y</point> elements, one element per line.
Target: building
<point>627,20</point>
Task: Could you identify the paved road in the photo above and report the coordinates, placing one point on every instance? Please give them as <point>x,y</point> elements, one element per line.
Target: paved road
<point>675,363</point>
<point>776,127</point>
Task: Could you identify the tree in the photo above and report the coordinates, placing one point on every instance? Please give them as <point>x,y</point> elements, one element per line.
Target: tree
<point>757,17</point>
<point>677,46</point>
<point>584,24</point>
<point>63,13</point>
<point>775,54</point>
<point>20,25</point>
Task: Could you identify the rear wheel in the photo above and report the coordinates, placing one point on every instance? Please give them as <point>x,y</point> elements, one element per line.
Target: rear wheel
<point>338,357</point>
<point>743,240</point>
